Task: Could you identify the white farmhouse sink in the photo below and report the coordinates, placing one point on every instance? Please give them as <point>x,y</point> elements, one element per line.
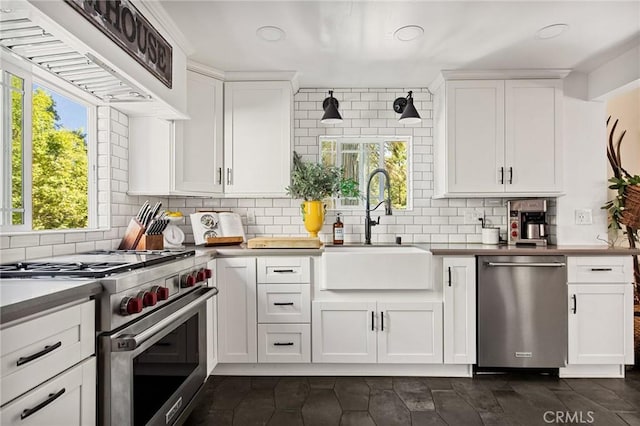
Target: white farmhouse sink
<point>376,268</point>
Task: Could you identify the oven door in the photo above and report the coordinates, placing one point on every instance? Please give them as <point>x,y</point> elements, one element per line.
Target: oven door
<point>151,370</point>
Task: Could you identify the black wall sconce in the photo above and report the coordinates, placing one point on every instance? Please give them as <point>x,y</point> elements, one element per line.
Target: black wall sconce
<point>331,114</point>
<point>405,107</point>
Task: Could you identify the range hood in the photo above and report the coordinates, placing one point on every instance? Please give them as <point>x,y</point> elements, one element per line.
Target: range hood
<point>20,35</point>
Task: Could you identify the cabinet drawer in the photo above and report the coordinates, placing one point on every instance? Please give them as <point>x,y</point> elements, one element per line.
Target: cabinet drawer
<point>284,343</point>
<point>33,351</point>
<point>68,399</point>
<point>601,269</point>
<point>288,303</point>
<point>282,270</point>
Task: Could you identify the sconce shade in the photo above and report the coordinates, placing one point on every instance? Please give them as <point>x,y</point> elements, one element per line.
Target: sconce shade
<point>331,113</point>
<point>405,106</point>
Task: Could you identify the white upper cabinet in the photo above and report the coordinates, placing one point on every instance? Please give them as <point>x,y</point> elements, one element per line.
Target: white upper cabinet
<point>198,153</point>
<point>257,137</point>
<point>181,157</point>
<point>498,137</point>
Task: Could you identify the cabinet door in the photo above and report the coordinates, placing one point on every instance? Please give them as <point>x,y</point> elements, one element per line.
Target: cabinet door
<point>198,147</point>
<point>68,399</point>
<point>150,142</point>
<point>257,138</point>
<point>459,288</point>
<point>475,136</point>
<point>533,129</point>
<point>600,324</point>
<point>237,318</point>
<point>410,332</point>
<point>212,327</point>
<point>344,332</point>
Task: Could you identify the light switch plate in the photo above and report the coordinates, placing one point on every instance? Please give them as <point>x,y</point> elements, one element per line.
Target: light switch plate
<point>584,217</point>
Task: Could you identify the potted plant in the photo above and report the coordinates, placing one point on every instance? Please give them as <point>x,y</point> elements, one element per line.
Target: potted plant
<point>624,208</point>
<point>313,182</point>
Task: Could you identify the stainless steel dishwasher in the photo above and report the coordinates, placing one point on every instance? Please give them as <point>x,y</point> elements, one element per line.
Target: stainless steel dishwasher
<point>522,312</point>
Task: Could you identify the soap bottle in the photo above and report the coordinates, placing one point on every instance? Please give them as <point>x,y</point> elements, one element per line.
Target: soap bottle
<point>338,231</point>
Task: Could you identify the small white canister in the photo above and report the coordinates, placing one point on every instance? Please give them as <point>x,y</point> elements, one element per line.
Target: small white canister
<point>490,235</point>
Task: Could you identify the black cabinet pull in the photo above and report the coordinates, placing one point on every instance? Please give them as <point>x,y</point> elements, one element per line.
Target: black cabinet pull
<point>280,271</point>
<point>501,175</point>
<point>46,350</point>
<point>575,304</point>
<point>510,175</point>
<point>219,175</point>
<point>449,272</point>
<point>283,344</point>
<point>283,303</point>
<point>382,320</point>
<point>372,314</point>
<point>52,397</point>
<point>601,269</point>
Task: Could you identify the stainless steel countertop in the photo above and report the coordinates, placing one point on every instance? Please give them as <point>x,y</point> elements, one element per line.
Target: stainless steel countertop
<point>20,297</point>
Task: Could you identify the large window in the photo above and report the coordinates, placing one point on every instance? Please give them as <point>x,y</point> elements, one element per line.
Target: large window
<point>47,156</point>
<point>359,156</point>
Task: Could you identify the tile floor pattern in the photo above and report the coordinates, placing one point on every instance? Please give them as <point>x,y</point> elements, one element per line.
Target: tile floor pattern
<point>512,399</point>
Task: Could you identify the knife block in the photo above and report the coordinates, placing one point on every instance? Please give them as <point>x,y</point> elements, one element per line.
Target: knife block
<point>132,235</point>
<point>151,242</point>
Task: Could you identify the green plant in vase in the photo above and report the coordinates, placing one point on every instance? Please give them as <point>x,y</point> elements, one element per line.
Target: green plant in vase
<point>314,182</point>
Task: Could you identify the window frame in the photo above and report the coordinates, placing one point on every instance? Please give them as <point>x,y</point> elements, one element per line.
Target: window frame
<point>380,140</point>
<point>33,75</point>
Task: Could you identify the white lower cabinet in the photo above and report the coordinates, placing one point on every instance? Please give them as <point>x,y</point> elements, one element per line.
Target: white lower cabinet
<point>237,313</point>
<point>600,324</point>
<point>459,289</point>
<point>370,332</point>
<point>284,343</point>
<point>68,399</point>
<point>212,325</point>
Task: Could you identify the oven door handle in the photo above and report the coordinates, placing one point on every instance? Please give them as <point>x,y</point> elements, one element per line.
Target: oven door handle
<point>129,342</point>
<point>529,265</point>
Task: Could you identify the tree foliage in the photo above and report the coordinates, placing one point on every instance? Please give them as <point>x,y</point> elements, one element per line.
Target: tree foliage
<point>60,169</point>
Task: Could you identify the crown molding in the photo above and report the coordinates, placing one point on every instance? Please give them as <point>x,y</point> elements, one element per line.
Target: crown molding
<point>160,14</point>
<point>205,70</point>
<point>291,76</point>
<point>504,74</point>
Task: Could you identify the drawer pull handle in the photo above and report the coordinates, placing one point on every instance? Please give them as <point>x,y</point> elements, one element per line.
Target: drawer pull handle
<point>52,397</point>
<point>283,303</point>
<point>601,269</point>
<point>283,344</point>
<point>372,327</point>
<point>282,271</point>
<point>575,303</point>
<point>46,350</point>
<point>449,276</point>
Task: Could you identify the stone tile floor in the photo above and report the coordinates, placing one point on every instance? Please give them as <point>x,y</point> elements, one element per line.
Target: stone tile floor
<point>509,399</point>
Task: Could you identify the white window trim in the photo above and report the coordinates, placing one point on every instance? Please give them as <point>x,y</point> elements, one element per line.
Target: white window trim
<point>35,75</point>
<point>380,139</point>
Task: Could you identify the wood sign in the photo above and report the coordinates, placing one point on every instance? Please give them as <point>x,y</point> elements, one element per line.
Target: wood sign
<point>124,25</point>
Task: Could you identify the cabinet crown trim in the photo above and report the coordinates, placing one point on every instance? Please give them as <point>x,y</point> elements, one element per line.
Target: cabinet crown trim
<point>498,75</point>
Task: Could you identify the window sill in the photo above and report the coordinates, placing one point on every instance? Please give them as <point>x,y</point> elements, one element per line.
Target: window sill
<point>52,231</point>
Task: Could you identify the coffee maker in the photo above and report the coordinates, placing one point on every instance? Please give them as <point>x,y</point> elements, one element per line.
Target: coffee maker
<point>527,222</point>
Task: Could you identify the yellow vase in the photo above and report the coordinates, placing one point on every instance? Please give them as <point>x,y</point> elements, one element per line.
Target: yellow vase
<point>313,216</point>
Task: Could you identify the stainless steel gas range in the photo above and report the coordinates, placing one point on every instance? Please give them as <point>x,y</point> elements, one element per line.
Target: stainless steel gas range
<point>151,328</point>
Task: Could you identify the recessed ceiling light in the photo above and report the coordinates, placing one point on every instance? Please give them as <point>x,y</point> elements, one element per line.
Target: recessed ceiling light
<point>6,10</point>
<point>551,31</point>
<point>270,33</point>
<point>409,32</point>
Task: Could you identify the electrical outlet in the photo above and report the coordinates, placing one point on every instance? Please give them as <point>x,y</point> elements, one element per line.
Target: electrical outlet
<point>471,216</point>
<point>584,217</point>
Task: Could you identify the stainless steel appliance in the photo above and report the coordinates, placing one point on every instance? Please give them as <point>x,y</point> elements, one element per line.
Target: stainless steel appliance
<point>151,328</point>
<point>527,222</point>
<point>522,312</point>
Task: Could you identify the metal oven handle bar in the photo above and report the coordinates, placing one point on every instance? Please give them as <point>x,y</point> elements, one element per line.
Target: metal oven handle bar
<point>528,265</point>
<point>131,342</point>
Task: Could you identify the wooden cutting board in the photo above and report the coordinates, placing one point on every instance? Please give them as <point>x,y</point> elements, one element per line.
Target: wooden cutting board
<point>284,242</point>
<point>223,241</point>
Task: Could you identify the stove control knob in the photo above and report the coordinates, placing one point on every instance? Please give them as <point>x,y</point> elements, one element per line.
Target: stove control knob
<point>188,280</point>
<point>149,298</point>
<point>162,293</point>
<point>131,305</point>
<point>201,276</point>
<point>208,273</point>
<point>514,225</point>
<point>514,234</point>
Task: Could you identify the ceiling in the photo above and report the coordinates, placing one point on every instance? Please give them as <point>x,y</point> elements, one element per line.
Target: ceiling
<point>351,43</point>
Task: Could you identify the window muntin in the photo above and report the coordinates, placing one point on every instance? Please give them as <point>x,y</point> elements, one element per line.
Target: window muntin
<point>49,180</point>
<point>360,156</point>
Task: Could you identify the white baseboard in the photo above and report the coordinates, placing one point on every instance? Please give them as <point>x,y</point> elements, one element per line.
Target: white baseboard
<point>423,370</point>
<point>592,371</point>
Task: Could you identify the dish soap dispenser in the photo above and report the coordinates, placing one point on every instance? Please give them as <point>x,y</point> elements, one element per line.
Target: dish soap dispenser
<point>338,231</point>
